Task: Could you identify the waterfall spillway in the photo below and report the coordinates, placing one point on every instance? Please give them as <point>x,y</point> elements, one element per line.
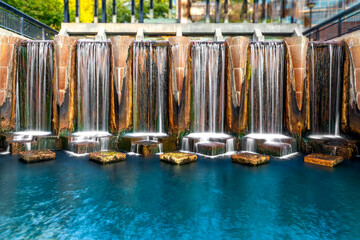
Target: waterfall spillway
<point>92,97</point>
<point>208,90</point>
<point>93,86</point>
<point>266,87</point>
<point>326,88</point>
<point>150,87</point>
<point>208,73</point>
<point>266,101</point>
<point>34,86</point>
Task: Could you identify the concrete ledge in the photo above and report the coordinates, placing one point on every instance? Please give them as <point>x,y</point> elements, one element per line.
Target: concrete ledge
<point>188,29</point>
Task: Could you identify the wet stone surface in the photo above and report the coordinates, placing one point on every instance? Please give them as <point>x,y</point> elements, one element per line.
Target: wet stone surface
<point>251,159</point>
<point>178,158</point>
<point>107,157</point>
<point>36,156</point>
<point>323,159</point>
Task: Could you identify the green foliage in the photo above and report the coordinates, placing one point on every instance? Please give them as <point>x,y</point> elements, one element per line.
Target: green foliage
<point>124,10</point>
<point>45,11</point>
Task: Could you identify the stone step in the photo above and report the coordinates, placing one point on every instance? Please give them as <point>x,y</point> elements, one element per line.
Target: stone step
<point>251,159</point>
<point>36,155</point>
<point>107,157</point>
<point>178,158</point>
<point>323,159</point>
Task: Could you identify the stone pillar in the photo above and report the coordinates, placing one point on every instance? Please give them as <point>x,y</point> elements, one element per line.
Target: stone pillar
<point>179,84</point>
<point>64,84</point>
<point>350,120</point>
<point>237,84</point>
<point>121,84</point>
<point>297,112</point>
<point>8,46</point>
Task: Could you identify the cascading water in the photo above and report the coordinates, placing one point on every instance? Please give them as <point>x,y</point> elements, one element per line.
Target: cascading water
<point>33,86</point>
<point>325,107</point>
<point>266,97</point>
<point>150,68</point>
<point>150,89</point>
<point>34,77</point>
<point>208,73</point>
<point>93,93</point>
<point>208,83</point>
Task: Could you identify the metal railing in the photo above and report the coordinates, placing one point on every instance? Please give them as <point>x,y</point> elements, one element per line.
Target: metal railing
<point>21,23</point>
<point>342,23</point>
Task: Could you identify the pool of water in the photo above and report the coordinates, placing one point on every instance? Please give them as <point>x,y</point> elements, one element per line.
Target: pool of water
<point>211,199</point>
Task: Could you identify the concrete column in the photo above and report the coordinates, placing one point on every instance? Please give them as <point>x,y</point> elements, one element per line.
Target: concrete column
<point>257,36</point>
<point>114,12</point>
<point>96,11</point>
<point>103,11</point>
<point>101,35</point>
<point>140,34</point>
<point>77,11</point>
<point>218,35</point>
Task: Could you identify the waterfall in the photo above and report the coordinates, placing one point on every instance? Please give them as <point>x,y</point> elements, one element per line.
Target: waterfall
<point>208,73</point>
<point>326,88</point>
<point>150,68</point>
<point>93,86</point>
<point>34,77</point>
<point>266,87</point>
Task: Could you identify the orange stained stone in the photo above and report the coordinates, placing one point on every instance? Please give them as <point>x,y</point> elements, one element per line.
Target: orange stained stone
<point>355,53</point>
<point>179,78</point>
<point>299,74</point>
<point>2,97</point>
<point>62,78</point>
<point>61,96</point>
<point>298,56</point>
<point>5,54</point>
<point>3,77</point>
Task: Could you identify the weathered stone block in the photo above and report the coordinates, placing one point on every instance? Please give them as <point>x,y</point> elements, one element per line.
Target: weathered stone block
<point>84,147</point>
<point>107,157</point>
<point>276,149</point>
<point>20,146</point>
<point>252,159</point>
<point>211,148</point>
<point>36,156</point>
<point>178,158</point>
<point>323,159</point>
<point>147,148</point>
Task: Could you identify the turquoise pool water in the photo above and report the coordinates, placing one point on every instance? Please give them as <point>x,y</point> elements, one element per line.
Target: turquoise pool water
<point>211,199</point>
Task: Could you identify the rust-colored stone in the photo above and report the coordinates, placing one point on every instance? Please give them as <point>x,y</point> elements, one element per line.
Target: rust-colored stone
<point>179,84</point>
<point>36,156</point>
<point>297,108</point>
<point>237,83</point>
<point>121,84</point>
<point>323,159</point>
<point>107,157</point>
<point>297,50</point>
<point>178,158</point>
<point>252,159</point>
<point>7,81</point>
<point>64,83</point>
